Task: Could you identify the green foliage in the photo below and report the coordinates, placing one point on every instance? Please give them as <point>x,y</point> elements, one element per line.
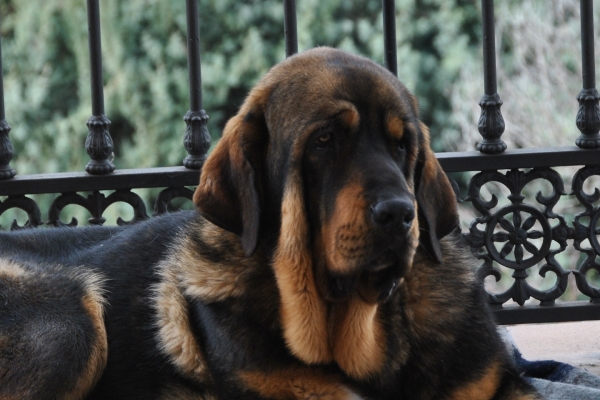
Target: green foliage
<point>46,66</point>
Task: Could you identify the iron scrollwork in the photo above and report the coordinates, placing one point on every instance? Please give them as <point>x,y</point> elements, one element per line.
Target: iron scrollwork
<point>96,203</point>
<point>26,204</point>
<point>165,197</point>
<point>589,232</point>
<point>514,227</point>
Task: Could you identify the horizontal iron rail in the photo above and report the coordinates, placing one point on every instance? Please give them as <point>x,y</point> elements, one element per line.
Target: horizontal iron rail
<point>180,176</point>
<point>82,182</point>
<point>521,158</point>
<point>560,312</point>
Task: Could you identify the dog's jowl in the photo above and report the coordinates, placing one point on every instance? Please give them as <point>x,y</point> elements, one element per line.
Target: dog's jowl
<point>322,262</point>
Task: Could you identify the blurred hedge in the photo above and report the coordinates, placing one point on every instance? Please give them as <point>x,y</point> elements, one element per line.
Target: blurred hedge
<point>46,65</point>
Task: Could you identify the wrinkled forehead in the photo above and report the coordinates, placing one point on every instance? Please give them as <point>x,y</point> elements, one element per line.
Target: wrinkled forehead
<point>319,84</point>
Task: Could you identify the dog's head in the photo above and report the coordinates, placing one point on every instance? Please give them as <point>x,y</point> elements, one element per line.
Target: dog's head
<point>328,165</point>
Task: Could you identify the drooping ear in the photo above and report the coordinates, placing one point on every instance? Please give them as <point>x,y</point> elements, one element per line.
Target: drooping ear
<point>230,190</point>
<point>436,200</point>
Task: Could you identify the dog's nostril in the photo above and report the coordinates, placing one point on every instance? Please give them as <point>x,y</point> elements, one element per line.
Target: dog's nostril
<point>408,218</point>
<point>394,213</point>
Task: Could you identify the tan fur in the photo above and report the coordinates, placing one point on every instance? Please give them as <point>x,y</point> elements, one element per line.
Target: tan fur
<point>483,389</point>
<point>175,332</point>
<point>358,339</point>
<point>297,383</point>
<point>414,236</point>
<point>350,118</point>
<point>303,311</point>
<point>346,234</point>
<point>11,270</point>
<point>209,179</point>
<point>395,127</point>
<point>93,303</point>
<point>205,280</point>
<point>431,167</point>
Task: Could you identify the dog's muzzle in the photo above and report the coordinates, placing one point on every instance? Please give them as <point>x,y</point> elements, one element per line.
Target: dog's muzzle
<point>378,276</point>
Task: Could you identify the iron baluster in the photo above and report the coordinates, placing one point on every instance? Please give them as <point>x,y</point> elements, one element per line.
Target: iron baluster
<point>491,123</point>
<point>98,144</point>
<point>389,36</point>
<point>197,138</point>
<point>588,115</point>
<point>6,148</point>
<point>290,27</point>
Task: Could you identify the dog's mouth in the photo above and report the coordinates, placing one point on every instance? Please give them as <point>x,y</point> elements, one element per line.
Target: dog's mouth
<point>375,284</point>
<point>378,287</point>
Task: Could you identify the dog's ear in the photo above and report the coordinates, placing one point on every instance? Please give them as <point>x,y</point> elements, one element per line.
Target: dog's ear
<point>436,200</point>
<point>230,190</point>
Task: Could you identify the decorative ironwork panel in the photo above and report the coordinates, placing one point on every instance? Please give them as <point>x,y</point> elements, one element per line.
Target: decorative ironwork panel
<point>588,232</point>
<point>520,235</point>
<point>95,203</point>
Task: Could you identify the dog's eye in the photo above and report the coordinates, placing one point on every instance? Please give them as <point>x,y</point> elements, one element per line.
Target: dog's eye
<point>401,146</point>
<point>323,140</point>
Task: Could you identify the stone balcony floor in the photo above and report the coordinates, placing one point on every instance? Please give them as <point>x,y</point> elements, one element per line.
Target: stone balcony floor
<point>575,343</point>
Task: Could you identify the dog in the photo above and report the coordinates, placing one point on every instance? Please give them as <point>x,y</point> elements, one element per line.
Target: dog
<point>323,262</point>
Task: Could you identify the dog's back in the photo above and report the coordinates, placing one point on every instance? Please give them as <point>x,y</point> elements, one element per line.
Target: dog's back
<point>67,295</point>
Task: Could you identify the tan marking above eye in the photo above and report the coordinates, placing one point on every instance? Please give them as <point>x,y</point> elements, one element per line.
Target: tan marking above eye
<point>395,127</point>
<point>350,118</point>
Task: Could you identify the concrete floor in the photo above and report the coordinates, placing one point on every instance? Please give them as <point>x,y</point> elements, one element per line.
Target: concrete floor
<point>575,343</point>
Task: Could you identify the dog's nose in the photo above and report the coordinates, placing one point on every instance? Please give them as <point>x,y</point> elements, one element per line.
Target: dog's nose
<point>394,214</point>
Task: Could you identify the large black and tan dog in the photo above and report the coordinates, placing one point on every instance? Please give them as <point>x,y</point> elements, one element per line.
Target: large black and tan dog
<point>323,264</point>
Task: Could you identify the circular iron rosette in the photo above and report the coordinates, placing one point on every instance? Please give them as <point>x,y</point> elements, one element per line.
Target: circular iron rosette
<point>518,235</point>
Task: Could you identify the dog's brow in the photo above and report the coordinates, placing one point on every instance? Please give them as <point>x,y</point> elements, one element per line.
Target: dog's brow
<point>395,127</point>
<point>350,117</point>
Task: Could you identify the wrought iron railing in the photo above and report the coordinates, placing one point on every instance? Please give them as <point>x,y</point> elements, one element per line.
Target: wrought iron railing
<point>524,234</point>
